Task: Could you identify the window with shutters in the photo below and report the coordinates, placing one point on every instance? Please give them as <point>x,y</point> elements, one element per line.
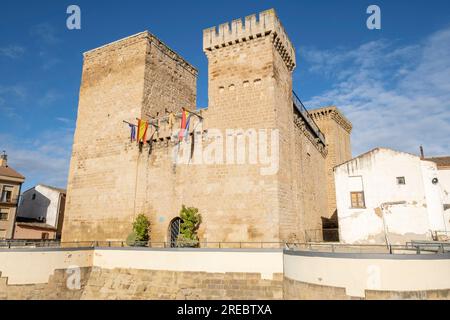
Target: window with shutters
<point>4,214</point>
<point>357,199</point>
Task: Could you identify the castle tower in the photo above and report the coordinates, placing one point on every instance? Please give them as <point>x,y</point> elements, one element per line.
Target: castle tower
<point>337,129</point>
<point>250,86</point>
<point>135,77</point>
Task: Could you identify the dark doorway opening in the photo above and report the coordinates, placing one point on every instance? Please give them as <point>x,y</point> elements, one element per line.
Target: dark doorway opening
<point>174,231</point>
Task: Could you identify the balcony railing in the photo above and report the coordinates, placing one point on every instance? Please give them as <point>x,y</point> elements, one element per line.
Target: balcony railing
<point>307,117</point>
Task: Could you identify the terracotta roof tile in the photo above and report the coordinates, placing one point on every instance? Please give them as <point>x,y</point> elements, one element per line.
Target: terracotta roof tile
<point>10,172</point>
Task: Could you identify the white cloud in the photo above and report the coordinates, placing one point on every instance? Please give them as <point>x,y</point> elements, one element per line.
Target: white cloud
<point>8,94</point>
<point>45,33</point>
<point>49,98</point>
<point>65,120</point>
<point>41,159</point>
<point>17,91</point>
<point>395,96</point>
<point>12,51</point>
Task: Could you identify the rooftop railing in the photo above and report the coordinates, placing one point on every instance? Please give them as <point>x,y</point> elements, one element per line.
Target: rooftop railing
<point>307,117</point>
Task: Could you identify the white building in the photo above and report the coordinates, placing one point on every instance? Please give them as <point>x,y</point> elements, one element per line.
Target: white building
<point>443,166</point>
<point>41,213</point>
<point>386,196</point>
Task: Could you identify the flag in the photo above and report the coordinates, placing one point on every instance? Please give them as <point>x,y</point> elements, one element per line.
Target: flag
<point>184,115</point>
<point>133,132</point>
<point>188,121</point>
<point>142,130</point>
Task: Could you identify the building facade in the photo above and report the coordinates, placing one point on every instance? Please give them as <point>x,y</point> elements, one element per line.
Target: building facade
<point>443,166</point>
<point>275,195</point>
<point>386,196</point>
<point>41,213</point>
<point>10,185</point>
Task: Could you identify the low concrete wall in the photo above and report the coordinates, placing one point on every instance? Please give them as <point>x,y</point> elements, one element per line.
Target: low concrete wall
<point>142,273</point>
<point>266,262</point>
<point>33,266</point>
<point>133,273</point>
<point>319,275</point>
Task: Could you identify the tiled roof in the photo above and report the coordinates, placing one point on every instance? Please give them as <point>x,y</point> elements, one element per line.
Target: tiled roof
<point>10,172</point>
<point>441,162</point>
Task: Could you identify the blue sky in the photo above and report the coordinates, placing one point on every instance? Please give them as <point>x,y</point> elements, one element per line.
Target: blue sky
<point>393,83</point>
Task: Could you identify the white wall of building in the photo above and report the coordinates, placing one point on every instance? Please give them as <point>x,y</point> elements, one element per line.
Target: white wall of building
<point>444,181</point>
<point>403,212</point>
<point>45,204</point>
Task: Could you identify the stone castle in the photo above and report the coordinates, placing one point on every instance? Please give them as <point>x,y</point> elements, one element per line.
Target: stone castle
<point>250,65</point>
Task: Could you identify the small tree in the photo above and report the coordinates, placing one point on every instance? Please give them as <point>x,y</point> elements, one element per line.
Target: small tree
<point>191,220</point>
<point>141,229</point>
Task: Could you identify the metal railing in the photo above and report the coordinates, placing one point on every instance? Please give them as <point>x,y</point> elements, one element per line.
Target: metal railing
<point>440,235</point>
<point>408,248</point>
<point>136,244</point>
<point>415,247</point>
<point>307,117</point>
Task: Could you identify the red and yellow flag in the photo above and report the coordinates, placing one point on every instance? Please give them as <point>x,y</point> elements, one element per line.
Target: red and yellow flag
<point>184,115</point>
<point>142,130</point>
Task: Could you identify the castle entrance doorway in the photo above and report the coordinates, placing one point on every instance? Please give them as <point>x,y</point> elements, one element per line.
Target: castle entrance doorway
<point>174,231</point>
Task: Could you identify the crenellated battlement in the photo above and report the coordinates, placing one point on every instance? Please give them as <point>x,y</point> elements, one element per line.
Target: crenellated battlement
<point>254,26</point>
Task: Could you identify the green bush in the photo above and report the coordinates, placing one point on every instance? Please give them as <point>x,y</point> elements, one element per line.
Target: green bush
<point>191,220</point>
<point>131,239</point>
<point>141,230</point>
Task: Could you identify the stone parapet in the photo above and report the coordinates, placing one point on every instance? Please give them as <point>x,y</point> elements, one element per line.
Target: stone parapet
<point>254,26</point>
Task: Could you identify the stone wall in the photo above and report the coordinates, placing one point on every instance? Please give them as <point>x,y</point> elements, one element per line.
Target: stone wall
<point>134,284</point>
<point>297,290</point>
<point>54,289</point>
<point>336,129</point>
<point>157,284</point>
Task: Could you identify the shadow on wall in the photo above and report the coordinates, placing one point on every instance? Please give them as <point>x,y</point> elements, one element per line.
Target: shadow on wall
<point>33,207</point>
<point>330,228</point>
